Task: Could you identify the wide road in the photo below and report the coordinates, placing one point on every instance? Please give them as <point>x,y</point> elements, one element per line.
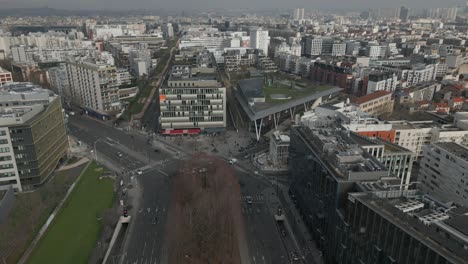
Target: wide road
<point>145,235</point>
<point>266,243</point>
<point>146,240</point>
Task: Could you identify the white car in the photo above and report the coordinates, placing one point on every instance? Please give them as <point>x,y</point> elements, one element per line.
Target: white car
<point>139,172</point>
<point>232,161</point>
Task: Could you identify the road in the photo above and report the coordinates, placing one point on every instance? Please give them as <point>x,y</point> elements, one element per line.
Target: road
<point>267,244</point>
<point>127,153</point>
<point>144,240</point>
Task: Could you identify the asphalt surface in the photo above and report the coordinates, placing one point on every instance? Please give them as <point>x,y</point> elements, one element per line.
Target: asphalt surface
<point>268,241</point>
<point>129,153</point>
<point>146,240</point>
<point>267,244</point>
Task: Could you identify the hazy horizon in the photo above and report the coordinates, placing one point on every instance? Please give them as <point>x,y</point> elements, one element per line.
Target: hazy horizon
<point>212,4</point>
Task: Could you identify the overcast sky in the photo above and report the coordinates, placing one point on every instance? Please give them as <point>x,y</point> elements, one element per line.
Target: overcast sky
<point>202,4</point>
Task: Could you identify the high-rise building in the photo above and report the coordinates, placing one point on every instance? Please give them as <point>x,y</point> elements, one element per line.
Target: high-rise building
<point>298,14</point>
<point>32,135</point>
<point>259,39</point>
<point>169,30</point>
<point>324,169</point>
<point>404,14</point>
<point>443,172</point>
<point>95,86</point>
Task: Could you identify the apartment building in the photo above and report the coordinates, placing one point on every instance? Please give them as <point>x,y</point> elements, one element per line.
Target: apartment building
<point>32,135</point>
<point>194,101</point>
<point>382,81</point>
<point>5,76</point>
<point>376,103</point>
<point>260,40</point>
<point>443,172</point>
<point>95,86</point>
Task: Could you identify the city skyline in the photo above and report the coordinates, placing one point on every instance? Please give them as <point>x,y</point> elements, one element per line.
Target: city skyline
<point>242,4</point>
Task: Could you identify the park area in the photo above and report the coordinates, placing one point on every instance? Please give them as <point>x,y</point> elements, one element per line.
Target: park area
<point>72,236</point>
<point>30,211</point>
<point>204,223</point>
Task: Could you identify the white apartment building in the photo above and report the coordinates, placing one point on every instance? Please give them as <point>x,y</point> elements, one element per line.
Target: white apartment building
<point>169,30</point>
<point>298,14</point>
<point>377,51</point>
<point>313,46</point>
<point>382,81</point>
<point>418,73</point>
<point>443,172</point>
<point>339,49</point>
<point>94,85</point>
<point>19,54</point>
<point>259,39</point>
<point>415,135</point>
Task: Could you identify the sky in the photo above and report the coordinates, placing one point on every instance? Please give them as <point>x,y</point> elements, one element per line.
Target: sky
<point>203,4</point>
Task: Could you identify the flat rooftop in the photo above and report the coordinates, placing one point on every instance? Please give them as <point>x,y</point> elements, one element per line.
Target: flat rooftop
<point>458,150</point>
<point>279,94</point>
<point>420,217</point>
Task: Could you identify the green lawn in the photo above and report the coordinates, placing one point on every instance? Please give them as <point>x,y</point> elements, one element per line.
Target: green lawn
<point>298,91</point>
<point>73,235</point>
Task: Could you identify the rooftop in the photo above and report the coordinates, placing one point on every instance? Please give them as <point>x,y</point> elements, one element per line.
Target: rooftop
<point>279,94</point>
<point>441,227</point>
<point>343,159</point>
<point>454,148</point>
<point>370,97</point>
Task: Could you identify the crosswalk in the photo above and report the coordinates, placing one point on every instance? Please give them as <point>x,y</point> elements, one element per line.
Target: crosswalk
<point>254,198</point>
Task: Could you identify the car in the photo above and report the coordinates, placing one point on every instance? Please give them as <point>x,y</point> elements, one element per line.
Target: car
<point>119,154</point>
<point>156,150</point>
<point>249,199</point>
<point>139,172</point>
<point>232,161</point>
<point>125,212</point>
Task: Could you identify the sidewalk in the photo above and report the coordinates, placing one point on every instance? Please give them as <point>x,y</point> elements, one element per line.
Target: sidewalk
<point>308,244</point>
<point>74,165</point>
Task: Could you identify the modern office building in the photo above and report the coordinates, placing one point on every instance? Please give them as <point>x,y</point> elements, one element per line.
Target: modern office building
<point>443,172</point>
<point>324,169</point>
<point>95,86</point>
<point>194,100</point>
<point>389,226</point>
<point>259,39</point>
<point>338,49</point>
<point>313,46</point>
<point>5,76</point>
<point>404,14</point>
<point>298,14</point>
<point>396,158</point>
<point>32,135</point>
